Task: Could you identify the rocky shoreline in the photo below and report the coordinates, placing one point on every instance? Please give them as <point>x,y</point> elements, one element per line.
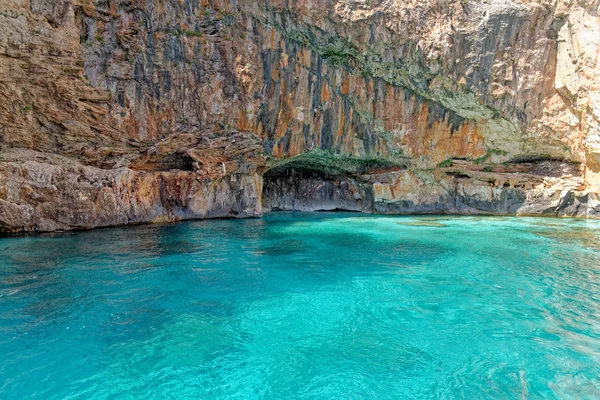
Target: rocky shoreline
<point>117,112</point>
<point>53,193</point>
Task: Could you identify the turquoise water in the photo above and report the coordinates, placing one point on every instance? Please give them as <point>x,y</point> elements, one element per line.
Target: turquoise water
<point>303,306</point>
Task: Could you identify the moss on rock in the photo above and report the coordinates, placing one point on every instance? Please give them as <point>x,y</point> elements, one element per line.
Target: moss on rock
<point>332,164</point>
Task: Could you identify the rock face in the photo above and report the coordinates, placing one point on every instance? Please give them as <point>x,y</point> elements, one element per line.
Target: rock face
<point>126,111</point>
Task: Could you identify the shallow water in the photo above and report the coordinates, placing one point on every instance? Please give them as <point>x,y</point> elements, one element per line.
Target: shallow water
<point>305,306</point>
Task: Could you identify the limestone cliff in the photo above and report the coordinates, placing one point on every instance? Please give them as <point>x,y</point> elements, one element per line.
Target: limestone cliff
<point>126,111</point>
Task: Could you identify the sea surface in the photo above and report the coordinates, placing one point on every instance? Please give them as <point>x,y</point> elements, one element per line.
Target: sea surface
<point>305,306</point>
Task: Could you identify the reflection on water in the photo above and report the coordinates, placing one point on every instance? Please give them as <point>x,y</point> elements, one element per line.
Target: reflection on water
<point>305,306</point>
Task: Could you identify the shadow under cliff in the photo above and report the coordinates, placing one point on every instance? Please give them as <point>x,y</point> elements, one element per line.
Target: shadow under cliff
<point>302,189</point>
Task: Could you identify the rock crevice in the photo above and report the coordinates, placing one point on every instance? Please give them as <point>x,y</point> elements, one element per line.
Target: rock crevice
<point>116,111</point>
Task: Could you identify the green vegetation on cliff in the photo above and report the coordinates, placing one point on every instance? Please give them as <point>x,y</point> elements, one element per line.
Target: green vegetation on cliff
<point>410,74</point>
<point>331,163</point>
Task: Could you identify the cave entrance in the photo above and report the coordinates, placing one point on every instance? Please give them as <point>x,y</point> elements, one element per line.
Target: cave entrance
<point>297,188</point>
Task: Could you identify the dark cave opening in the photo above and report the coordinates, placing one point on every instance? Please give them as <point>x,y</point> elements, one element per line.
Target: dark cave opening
<point>173,161</point>
<point>307,189</point>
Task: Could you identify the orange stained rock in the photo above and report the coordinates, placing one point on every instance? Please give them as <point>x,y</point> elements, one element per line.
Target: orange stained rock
<point>243,124</point>
<point>325,92</point>
<point>305,56</point>
<point>133,127</point>
<point>345,88</point>
<point>437,142</point>
<point>284,60</point>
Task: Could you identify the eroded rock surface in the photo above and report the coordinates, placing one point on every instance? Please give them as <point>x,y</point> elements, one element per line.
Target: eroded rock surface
<point>126,111</point>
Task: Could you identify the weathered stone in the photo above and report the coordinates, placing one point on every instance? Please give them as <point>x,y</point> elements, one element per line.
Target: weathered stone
<point>117,112</point>
<point>56,193</point>
<point>313,194</point>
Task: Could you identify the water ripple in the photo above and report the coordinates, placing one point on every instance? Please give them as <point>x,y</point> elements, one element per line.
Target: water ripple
<point>305,306</point>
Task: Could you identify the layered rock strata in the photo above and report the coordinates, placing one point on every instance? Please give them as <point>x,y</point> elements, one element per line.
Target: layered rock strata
<point>125,111</point>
